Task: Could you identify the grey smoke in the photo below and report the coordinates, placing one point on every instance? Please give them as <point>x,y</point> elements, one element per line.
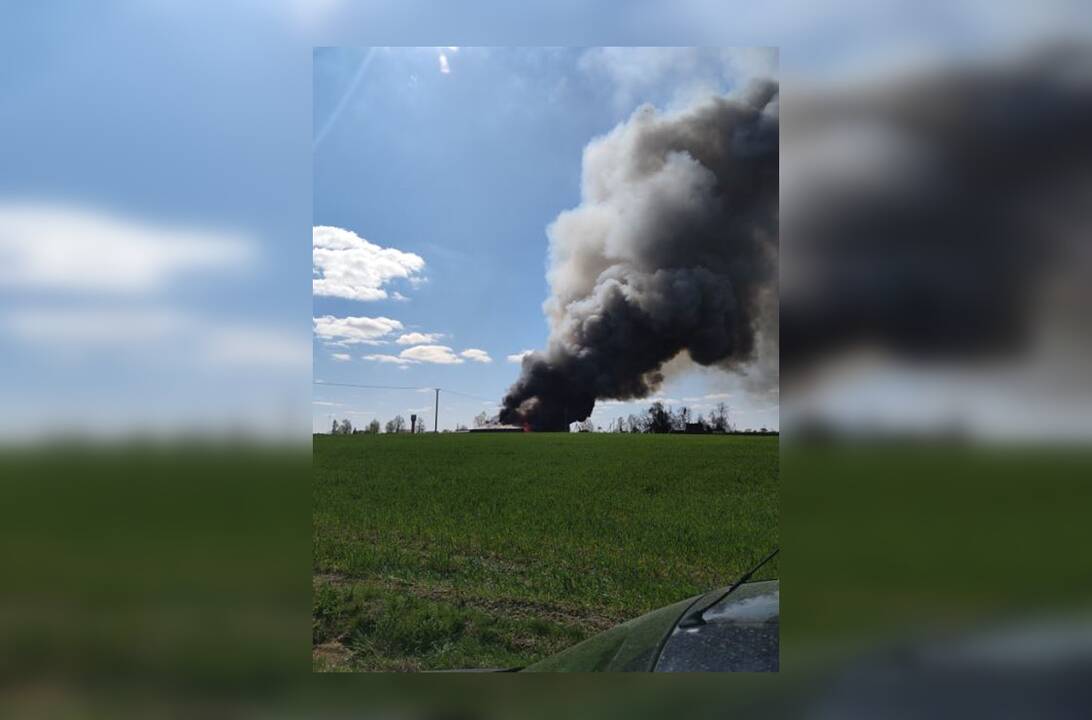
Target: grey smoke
<point>928,216</point>
<point>674,248</point>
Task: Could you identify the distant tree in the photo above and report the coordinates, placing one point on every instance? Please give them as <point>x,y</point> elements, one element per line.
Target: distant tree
<point>373,427</point>
<point>333,428</point>
<point>396,424</point>
<point>718,418</point>
<point>658,418</point>
<point>585,425</point>
<point>619,425</point>
<point>481,419</point>
<point>420,426</point>
<point>635,423</point>
<point>459,427</point>
<point>342,428</point>
<point>680,418</point>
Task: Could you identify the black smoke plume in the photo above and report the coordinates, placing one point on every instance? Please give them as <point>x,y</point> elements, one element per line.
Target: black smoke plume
<point>930,216</point>
<point>673,248</point>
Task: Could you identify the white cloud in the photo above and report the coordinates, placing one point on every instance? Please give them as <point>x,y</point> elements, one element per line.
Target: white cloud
<point>58,247</point>
<point>438,354</point>
<point>476,355</point>
<point>435,354</point>
<point>352,330</point>
<point>256,346</point>
<point>391,359</point>
<point>348,266</point>
<point>313,14</point>
<point>325,403</point>
<point>718,396</point>
<point>157,331</point>
<point>518,357</point>
<point>341,357</point>
<point>445,68</point>
<point>416,338</point>
<point>87,327</point>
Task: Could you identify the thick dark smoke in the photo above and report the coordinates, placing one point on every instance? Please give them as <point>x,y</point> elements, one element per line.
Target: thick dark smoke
<point>674,248</point>
<point>928,216</point>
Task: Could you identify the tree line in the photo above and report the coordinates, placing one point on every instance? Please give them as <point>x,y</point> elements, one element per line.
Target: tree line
<point>397,424</point>
<point>659,418</point>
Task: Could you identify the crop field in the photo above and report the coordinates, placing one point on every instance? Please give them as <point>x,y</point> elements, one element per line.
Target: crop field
<point>495,550</point>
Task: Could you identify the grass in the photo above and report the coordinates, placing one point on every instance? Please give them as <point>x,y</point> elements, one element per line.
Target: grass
<point>460,551</point>
<point>166,566</point>
<point>887,537</point>
<point>177,581</point>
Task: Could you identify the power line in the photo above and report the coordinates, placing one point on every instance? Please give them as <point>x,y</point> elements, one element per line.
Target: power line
<point>472,397</point>
<point>374,387</point>
<point>436,412</point>
<point>405,387</point>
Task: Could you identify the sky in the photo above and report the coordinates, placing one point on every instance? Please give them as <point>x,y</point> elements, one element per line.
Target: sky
<point>436,173</point>
<point>153,223</point>
<point>159,180</point>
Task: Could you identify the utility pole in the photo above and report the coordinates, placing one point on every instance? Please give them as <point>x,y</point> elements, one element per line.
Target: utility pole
<point>436,414</point>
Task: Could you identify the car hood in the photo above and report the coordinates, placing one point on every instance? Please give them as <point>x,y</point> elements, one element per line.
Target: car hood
<point>745,620</point>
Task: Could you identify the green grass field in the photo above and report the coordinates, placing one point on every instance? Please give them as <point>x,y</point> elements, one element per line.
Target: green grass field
<point>491,550</point>
<point>176,580</point>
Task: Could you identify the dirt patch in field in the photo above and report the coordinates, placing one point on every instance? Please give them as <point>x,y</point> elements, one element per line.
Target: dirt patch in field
<point>504,607</point>
<point>332,654</point>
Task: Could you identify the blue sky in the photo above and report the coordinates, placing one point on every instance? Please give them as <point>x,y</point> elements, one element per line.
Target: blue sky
<point>185,125</point>
<point>153,220</point>
<point>462,157</point>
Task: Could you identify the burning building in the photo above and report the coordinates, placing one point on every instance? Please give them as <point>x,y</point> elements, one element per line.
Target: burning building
<point>497,428</point>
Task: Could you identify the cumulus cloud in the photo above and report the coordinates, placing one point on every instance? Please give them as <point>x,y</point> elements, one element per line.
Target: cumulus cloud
<point>352,330</point>
<point>438,354</point>
<point>476,355</point>
<point>435,354</point>
<point>416,338</point>
<point>59,247</point>
<point>517,358</point>
<point>390,359</point>
<point>156,331</point>
<point>341,357</point>
<point>97,327</point>
<point>246,346</point>
<point>348,266</point>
